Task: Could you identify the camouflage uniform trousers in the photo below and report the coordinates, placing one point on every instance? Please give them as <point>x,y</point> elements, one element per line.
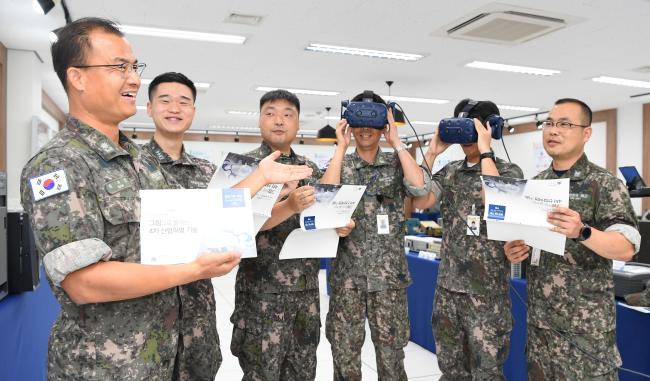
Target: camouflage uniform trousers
<point>275,336</point>
<point>199,355</point>
<point>593,356</point>
<point>387,313</point>
<point>472,334</point>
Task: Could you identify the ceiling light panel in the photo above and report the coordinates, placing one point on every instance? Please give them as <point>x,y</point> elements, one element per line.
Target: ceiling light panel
<point>511,68</point>
<point>363,52</point>
<point>299,91</point>
<point>182,34</point>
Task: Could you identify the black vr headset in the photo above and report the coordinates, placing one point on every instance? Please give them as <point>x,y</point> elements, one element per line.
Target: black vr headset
<point>366,113</point>
<point>461,130</point>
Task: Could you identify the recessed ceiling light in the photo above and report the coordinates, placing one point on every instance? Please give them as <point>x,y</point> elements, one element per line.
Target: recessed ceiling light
<point>182,34</point>
<point>239,112</point>
<point>198,85</point>
<point>622,82</point>
<point>424,123</point>
<point>363,52</point>
<point>517,108</point>
<point>415,100</point>
<point>300,91</point>
<point>511,68</point>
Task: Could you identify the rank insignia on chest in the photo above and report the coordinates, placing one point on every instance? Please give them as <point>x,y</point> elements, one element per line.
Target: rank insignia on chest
<point>49,184</point>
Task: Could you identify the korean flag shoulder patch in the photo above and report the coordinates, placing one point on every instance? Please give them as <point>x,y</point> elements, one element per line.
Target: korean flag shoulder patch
<point>49,184</point>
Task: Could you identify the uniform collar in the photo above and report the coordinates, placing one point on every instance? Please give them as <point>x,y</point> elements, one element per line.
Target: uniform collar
<point>380,160</point>
<point>266,150</point>
<point>164,158</point>
<point>578,170</point>
<point>99,142</point>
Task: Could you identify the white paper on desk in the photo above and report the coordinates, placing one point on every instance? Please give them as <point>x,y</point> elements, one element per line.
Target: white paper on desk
<point>333,207</point>
<point>236,168</point>
<point>517,210</point>
<point>321,243</point>
<point>177,225</point>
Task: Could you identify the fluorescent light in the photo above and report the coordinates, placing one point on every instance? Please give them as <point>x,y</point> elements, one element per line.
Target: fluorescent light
<point>363,52</point>
<point>415,100</point>
<point>423,123</point>
<point>511,68</point>
<point>517,108</point>
<point>300,91</point>
<point>182,34</point>
<point>332,118</point>
<point>239,112</point>
<point>141,107</point>
<point>234,128</point>
<point>622,82</point>
<point>198,85</point>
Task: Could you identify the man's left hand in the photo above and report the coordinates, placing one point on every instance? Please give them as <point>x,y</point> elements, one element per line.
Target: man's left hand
<point>484,136</point>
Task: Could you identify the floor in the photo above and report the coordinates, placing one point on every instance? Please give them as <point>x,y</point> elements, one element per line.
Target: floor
<point>421,365</point>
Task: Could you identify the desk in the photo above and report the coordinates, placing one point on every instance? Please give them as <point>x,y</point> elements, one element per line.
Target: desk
<point>25,323</point>
<point>632,328</point>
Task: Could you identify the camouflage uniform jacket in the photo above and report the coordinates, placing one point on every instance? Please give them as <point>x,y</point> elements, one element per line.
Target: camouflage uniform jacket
<point>469,264</point>
<point>130,339</point>
<point>575,292</point>
<point>267,273</point>
<point>367,260</point>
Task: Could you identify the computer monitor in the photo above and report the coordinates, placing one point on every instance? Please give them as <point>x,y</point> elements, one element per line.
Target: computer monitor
<point>632,177</point>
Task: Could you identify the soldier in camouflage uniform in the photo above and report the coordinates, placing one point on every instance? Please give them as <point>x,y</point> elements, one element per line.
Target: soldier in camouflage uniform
<point>369,276</point>
<point>471,314</point>
<point>571,310</point>
<point>118,318</point>
<point>171,106</point>
<point>277,313</point>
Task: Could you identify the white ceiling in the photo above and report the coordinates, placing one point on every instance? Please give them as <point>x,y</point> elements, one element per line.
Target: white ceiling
<point>605,38</point>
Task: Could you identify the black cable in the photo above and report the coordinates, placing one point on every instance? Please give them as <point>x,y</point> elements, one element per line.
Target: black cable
<point>505,149</point>
<point>66,13</point>
<point>521,299</point>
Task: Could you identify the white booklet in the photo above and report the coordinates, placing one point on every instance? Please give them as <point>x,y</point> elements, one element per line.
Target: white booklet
<point>177,225</point>
<point>235,168</point>
<point>317,237</point>
<point>517,209</point>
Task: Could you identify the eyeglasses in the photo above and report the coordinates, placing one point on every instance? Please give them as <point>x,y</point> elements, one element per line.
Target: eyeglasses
<point>124,68</point>
<point>559,124</point>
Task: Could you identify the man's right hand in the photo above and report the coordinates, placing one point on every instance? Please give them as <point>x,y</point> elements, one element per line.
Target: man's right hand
<point>277,173</point>
<point>516,251</point>
<point>212,265</point>
<point>301,198</point>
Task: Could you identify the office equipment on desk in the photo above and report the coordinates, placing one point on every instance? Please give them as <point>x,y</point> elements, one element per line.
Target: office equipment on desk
<point>22,256</point>
<point>634,182</point>
<point>4,277</point>
<point>632,278</point>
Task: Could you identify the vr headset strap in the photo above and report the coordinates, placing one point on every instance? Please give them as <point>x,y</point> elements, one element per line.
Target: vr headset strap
<point>468,108</point>
<point>368,96</point>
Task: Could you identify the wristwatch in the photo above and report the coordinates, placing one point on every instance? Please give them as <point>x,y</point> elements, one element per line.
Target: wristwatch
<point>585,233</point>
<point>401,148</point>
<point>485,155</point>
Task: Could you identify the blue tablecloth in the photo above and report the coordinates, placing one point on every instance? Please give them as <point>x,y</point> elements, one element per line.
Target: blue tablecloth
<point>25,323</point>
<point>632,328</point>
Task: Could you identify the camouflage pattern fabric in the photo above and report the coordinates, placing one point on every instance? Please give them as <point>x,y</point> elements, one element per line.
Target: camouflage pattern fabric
<point>469,264</point>
<point>134,339</point>
<point>387,313</point>
<point>199,356</point>
<point>552,357</point>
<point>472,333</point>
<point>282,291</point>
<point>471,314</point>
<point>275,335</point>
<point>574,293</point>
<point>369,276</point>
<point>641,299</point>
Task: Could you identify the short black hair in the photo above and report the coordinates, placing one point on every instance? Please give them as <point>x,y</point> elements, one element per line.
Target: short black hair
<point>481,111</point>
<point>587,115</point>
<point>172,77</point>
<point>73,43</point>
<point>375,98</point>
<point>280,94</point>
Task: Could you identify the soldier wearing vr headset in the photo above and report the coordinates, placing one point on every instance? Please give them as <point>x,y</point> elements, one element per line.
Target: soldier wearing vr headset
<point>471,314</point>
<point>369,275</point>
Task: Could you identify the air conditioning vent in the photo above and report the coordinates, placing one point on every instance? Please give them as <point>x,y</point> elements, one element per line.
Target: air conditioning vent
<point>237,18</point>
<point>505,27</point>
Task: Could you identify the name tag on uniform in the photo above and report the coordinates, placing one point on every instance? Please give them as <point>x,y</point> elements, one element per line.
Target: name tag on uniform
<point>382,224</point>
<point>534,259</point>
<point>474,225</point>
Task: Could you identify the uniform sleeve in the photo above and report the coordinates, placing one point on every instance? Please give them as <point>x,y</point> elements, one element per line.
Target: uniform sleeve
<point>415,191</point>
<point>67,217</point>
<point>437,181</point>
<point>614,211</point>
<point>511,170</point>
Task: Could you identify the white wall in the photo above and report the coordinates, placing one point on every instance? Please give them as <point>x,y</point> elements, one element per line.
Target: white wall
<point>629,142</point>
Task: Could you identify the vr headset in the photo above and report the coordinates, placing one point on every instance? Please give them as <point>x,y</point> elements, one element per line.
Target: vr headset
<point>366,113</point>
<point>461,130</point>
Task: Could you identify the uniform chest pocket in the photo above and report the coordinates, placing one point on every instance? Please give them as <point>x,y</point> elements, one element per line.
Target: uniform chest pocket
<point>119,201</point>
